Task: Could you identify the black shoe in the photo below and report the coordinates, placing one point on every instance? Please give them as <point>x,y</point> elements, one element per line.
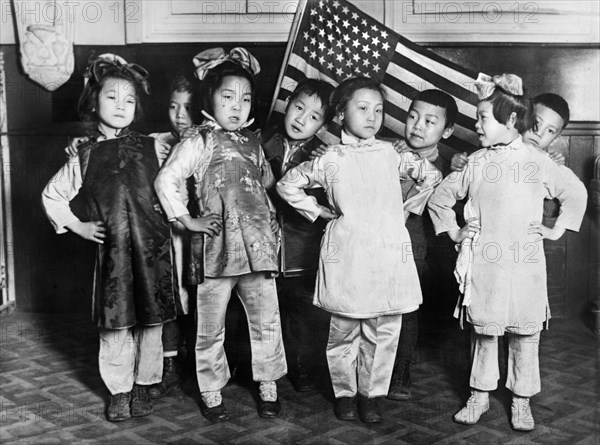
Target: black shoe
<point>268,410</point>
<point>215,414</point>
<point>369,410</point>
<point>118,408</point>
<point>345,408</point>
<point>171,379</point>
<point>302,382</point>
<point>400,386</point>
<point>141,403</point>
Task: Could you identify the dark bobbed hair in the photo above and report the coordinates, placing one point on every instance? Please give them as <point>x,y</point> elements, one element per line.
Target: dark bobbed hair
<point>345,90</point>
<point>184,83</point>
<point>315,87</point>
<point>441,99</point>
<point>88,100</point>
<point>505,103</point>
<point>214,79</point>
<point>556,103</point>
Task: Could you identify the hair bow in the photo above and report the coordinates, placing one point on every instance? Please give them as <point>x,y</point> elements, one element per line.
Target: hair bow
<point>99,66</point>
<point>486,85</point>
<point>207,60</point>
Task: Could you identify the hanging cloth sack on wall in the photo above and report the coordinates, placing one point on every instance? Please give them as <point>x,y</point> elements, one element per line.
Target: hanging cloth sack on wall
<point>46,48</point>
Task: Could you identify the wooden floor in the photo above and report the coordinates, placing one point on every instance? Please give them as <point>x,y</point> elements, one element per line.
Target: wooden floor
<point>51,393</point>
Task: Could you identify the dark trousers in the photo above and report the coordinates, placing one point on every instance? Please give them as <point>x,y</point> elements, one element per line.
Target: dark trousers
<point>305,327</point>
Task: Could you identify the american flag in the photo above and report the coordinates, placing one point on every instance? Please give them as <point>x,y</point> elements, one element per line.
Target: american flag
<point>334,41</point>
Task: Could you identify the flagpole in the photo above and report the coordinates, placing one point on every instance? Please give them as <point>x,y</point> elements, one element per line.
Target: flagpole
<point>293,35</point>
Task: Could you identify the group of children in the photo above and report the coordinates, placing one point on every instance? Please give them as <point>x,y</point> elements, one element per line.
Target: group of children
<point>339,238</point>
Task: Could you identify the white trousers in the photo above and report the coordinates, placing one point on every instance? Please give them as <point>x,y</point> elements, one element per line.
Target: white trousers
<point>523,373</point>
<point>360,354</point>
<point>130,355</point>
<point>258,295</point>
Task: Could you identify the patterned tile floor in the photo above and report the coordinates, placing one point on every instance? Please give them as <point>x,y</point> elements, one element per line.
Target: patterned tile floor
<point>51,393</point>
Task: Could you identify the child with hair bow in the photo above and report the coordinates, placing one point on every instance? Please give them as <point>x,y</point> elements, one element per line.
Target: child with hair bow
<point>240,250</point>
<point>501,266</point>
<point>133,288</point>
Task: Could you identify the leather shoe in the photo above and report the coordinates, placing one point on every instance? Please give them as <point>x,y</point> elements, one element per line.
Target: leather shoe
<point>302,382</point>
<point>345,408</point>
<point>269,410</point>
<point>369,410</point>
<point>400,386</point>
<point>215,414</point>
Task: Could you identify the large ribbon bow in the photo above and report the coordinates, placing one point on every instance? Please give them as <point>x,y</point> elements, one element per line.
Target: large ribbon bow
<point>98,66</point>
<point>213,57</point>
<point>486,85</point>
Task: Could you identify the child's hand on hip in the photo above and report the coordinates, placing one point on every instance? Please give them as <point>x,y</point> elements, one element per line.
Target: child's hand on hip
<point>91,231</point>
<point>469,230</point>
<point>210,224</point>
<point>327,214</point>
<point>459,162</point>
<point>318,152</point>
<point>553,233</point>
<point>71,149</point>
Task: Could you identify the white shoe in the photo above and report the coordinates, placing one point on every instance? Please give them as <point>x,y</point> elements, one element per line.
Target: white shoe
<point>268,391</point>
<point>478,403</point>
<point>211,398</point>
<point>522,418</point>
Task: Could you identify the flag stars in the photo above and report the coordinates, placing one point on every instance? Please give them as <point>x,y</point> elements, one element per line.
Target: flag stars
<point>355,44</point>
<point>366,62</point>
<point>356,57</point>
<point>366,49</point>
<point>345,23</point>
<point>376,68</point>
<point>329,24</point>
<point>330,66</point>
<point>339,72</point>
<point>330,51</point>
<point>345,10</point>
<point>375,40</point>
<point>384,34</point>
<point>313,41</point>
<point>364,22</point>
<point>374,27</point>
<point>322,32</point>
<point>321,46</point>
<point>385,46</point>
<point>354,16</point>
<point>313,55</point>
<point>355,29</point>
<point>336,18</point>
<point>346,38</point>
<point>322,60</point>
<point>365,35</point>
<point>339,58</point>
<point>336,4</point>
<point>375,54</point>
<point>330,38</point>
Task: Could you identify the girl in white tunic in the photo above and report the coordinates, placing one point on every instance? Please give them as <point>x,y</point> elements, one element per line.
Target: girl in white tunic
<point>367,277</point>
<point>501,266</point>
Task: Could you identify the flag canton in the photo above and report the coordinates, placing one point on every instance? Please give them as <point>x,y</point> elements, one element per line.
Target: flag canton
<point>341,42</point>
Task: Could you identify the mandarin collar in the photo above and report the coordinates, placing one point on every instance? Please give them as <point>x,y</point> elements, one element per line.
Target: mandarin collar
<point>348,139</point>
<point>513,145</point>
<point>212,122</point>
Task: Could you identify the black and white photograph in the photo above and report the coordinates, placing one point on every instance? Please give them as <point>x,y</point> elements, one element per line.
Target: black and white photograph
<point>299,222</point>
